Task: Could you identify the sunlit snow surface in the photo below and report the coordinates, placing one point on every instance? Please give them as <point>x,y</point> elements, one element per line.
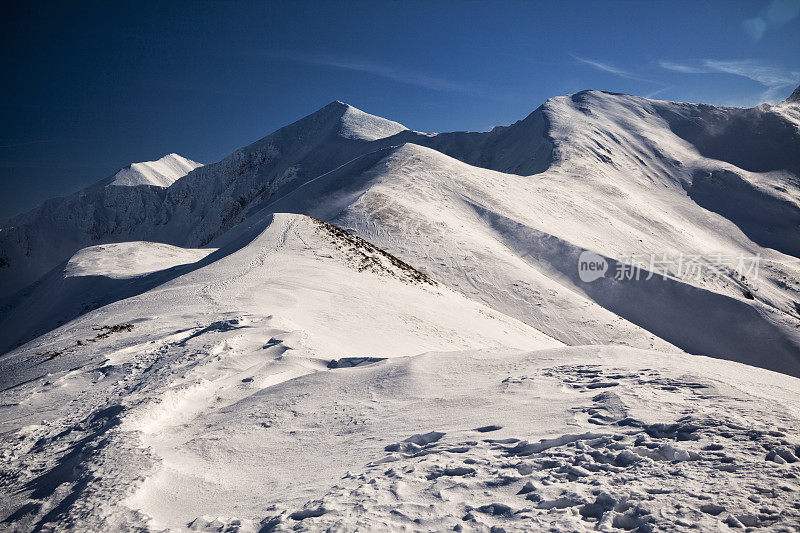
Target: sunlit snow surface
<point>216,405</point>
<point>129,259</point>
<point>268,371</point>
<point>162,172</point>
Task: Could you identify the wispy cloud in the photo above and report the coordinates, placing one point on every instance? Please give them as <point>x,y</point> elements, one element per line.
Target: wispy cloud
<point>659,91</point>
<point>679,67</point>
<point>605,67</point>
<point>774,79</point>
<point>390,72</point>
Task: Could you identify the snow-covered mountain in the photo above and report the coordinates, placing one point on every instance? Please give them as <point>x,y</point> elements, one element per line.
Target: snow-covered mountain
<point>160,173</point>
<point>352,325</point>
<point>119,208</point>
<point>610,173</point>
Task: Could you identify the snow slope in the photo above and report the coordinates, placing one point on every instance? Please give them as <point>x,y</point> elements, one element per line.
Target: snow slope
<point>93,277</point>
<point>513,241</point>
<point>160,173</point>
<point>615,174</point>
<point>119,208</point>
<point>300,378</point>
<point>386,330</point>
<point>240,424</point>
<point>282,299</point>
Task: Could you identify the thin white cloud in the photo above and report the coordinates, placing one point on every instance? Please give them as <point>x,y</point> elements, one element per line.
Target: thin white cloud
<point>669,65</point>
<point>401,75</point>
<point>659,91</point>
<point>605,67</point>
<point>765,75</point>
<point>774,79</point>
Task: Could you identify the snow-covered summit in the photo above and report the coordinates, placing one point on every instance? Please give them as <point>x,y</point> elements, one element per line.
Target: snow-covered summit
<point>794,98</point>
<point>338,119</point>
<point>356,124</point>
<point>160,173</point>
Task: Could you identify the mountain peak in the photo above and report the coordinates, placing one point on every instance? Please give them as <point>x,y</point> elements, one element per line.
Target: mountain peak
<point>352,123</point>
<point>357,124</point>
<point>338,104</point>
<point>794,98</point>
<point>161,172</point>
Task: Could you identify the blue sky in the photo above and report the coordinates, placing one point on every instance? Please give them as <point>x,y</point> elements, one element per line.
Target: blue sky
<point>90,87</point>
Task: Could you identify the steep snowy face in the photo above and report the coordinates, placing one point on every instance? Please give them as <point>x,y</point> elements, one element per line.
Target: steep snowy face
<point>621,130</point>
<point>215,198</point>
<point>743,164</point>
<point>757,139</point>
<point>621,182</point>
<point>794,98</point>
<point>160,173</point>
<point>523,148</point>
<point>611,173</point>
<point>355,124</point>
<point>122,207</point>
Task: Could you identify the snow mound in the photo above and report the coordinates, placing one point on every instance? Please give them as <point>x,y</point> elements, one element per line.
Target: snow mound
<point>160,173</point>
<point>638,456</point>
<point>129,259</point>
<point>124,207</point>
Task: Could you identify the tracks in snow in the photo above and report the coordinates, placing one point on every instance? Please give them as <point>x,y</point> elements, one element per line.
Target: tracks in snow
<point>618,471</point>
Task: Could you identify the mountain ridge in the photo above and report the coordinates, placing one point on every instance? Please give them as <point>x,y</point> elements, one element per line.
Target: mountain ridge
<point>393,329</point>
<point>162,172</point>
<point>591,156</point>
<point>793,98</point>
